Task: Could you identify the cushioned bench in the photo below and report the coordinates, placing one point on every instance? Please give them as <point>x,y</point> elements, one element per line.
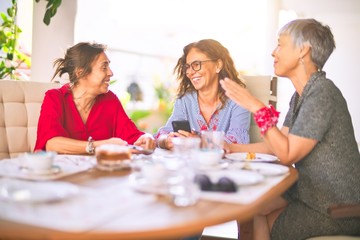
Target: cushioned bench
<point>20,103</point>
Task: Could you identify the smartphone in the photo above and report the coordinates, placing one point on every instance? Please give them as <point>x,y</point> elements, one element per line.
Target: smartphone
<point>181,125</point>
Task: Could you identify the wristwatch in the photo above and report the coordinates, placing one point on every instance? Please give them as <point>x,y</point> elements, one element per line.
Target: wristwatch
<point>90,149</point>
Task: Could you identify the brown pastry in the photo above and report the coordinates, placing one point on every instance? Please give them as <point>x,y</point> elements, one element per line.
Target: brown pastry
<point>250,156</point>
<point>112,154</point>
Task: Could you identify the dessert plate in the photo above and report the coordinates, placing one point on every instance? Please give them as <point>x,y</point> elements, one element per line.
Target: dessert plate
<point>113,165</point>
<point>266,169</point>
<point>35,192</point>
<point>240,177</point>
<point>53,170</point>
<point>259,157</point>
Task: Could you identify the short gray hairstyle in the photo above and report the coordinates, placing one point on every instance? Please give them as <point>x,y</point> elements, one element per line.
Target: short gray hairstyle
<point>314,34</point>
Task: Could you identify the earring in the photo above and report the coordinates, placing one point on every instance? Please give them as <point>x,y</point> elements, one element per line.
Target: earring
<point>217,71</point>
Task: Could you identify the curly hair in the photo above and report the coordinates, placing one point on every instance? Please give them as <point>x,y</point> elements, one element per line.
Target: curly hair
<point>214,50</point>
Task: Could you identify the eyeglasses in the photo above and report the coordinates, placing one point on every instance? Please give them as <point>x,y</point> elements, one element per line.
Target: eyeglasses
<point>224,184</point>
<point>195,65</point>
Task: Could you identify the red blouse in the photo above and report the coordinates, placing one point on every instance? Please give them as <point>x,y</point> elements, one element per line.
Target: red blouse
<point>59,117</point>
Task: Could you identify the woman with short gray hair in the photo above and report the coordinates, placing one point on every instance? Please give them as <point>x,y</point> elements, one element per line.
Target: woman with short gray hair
<point>317,137</point>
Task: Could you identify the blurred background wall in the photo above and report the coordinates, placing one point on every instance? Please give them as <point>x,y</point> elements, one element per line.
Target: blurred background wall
<point>145,38</point>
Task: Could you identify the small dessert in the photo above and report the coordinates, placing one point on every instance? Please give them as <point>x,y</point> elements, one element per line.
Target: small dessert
<point>110,154</point>
<point>250,156</point>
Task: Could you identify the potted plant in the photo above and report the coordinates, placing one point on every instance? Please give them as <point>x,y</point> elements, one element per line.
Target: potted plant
<point>11,58</point>
<point>51,9</point>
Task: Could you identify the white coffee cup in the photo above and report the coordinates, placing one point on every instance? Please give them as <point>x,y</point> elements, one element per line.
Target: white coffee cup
<point>40,161</point>
<point>208,157</point>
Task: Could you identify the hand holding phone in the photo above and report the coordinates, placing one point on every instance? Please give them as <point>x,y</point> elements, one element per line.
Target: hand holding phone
<point>181,125</point>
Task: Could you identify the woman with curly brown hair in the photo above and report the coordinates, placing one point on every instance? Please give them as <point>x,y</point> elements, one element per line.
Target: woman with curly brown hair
<point>201,100</point>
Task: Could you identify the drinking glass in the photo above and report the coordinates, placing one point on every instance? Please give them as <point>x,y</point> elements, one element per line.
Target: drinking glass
<point>182,188</point>
<point>211,150</point>
<point>212,140</point>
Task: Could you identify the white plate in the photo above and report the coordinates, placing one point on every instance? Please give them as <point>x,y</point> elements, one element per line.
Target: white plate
<point>259,157</point>
<point>266,169</point>
<point>35,192</point>
<point>240,177</point>
<point>113,165</point>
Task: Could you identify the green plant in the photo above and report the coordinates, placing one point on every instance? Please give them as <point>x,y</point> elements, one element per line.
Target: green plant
<point>164,97</point>
<point>139,114</point>
<point>51,9</point>
<point>10,55</point>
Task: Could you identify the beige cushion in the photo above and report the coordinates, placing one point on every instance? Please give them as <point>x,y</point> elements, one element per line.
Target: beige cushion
<point>20,103</point>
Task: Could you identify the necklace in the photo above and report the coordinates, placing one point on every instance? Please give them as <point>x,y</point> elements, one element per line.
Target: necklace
<point>86,107</point>
<point>83,108</point>
<point>80,95</point>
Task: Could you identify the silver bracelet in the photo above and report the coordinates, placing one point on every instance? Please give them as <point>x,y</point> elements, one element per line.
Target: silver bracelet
<point>90,149</point>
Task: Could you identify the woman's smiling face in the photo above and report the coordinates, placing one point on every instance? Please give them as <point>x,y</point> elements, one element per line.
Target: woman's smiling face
<point>99,78</point>
<point>286,56</point>
<point>204,78</point>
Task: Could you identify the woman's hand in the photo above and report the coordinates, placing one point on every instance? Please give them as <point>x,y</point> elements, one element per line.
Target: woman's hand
<point>241,95</point>
<point>183,133</point>
<point>146,141</point>
<point>226,148</point>
<point>165,140</point>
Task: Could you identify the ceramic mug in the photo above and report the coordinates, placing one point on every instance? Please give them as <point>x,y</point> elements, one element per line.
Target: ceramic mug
<point>40,161</point>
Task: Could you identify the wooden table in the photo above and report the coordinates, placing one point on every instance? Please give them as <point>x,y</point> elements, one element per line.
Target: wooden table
<point>156,219</point>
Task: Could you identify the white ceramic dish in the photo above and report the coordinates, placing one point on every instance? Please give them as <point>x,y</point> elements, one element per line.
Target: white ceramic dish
<point>39,161</point>
<point>240,177</point>
<point>114,165</point>
<point>35,192</point>
<point>259,157</point>
<point>53,170</point>
<point>266,169</point>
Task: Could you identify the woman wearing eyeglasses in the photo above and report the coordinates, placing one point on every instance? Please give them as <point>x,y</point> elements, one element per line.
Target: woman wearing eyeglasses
<point>201,100</point>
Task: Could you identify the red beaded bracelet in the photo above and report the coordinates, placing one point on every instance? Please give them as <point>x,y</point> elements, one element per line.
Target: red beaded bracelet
<point>266,117</point>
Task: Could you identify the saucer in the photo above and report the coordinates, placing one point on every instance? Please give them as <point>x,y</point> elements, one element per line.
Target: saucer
<point>113,165</point>
<point>53,170</point>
